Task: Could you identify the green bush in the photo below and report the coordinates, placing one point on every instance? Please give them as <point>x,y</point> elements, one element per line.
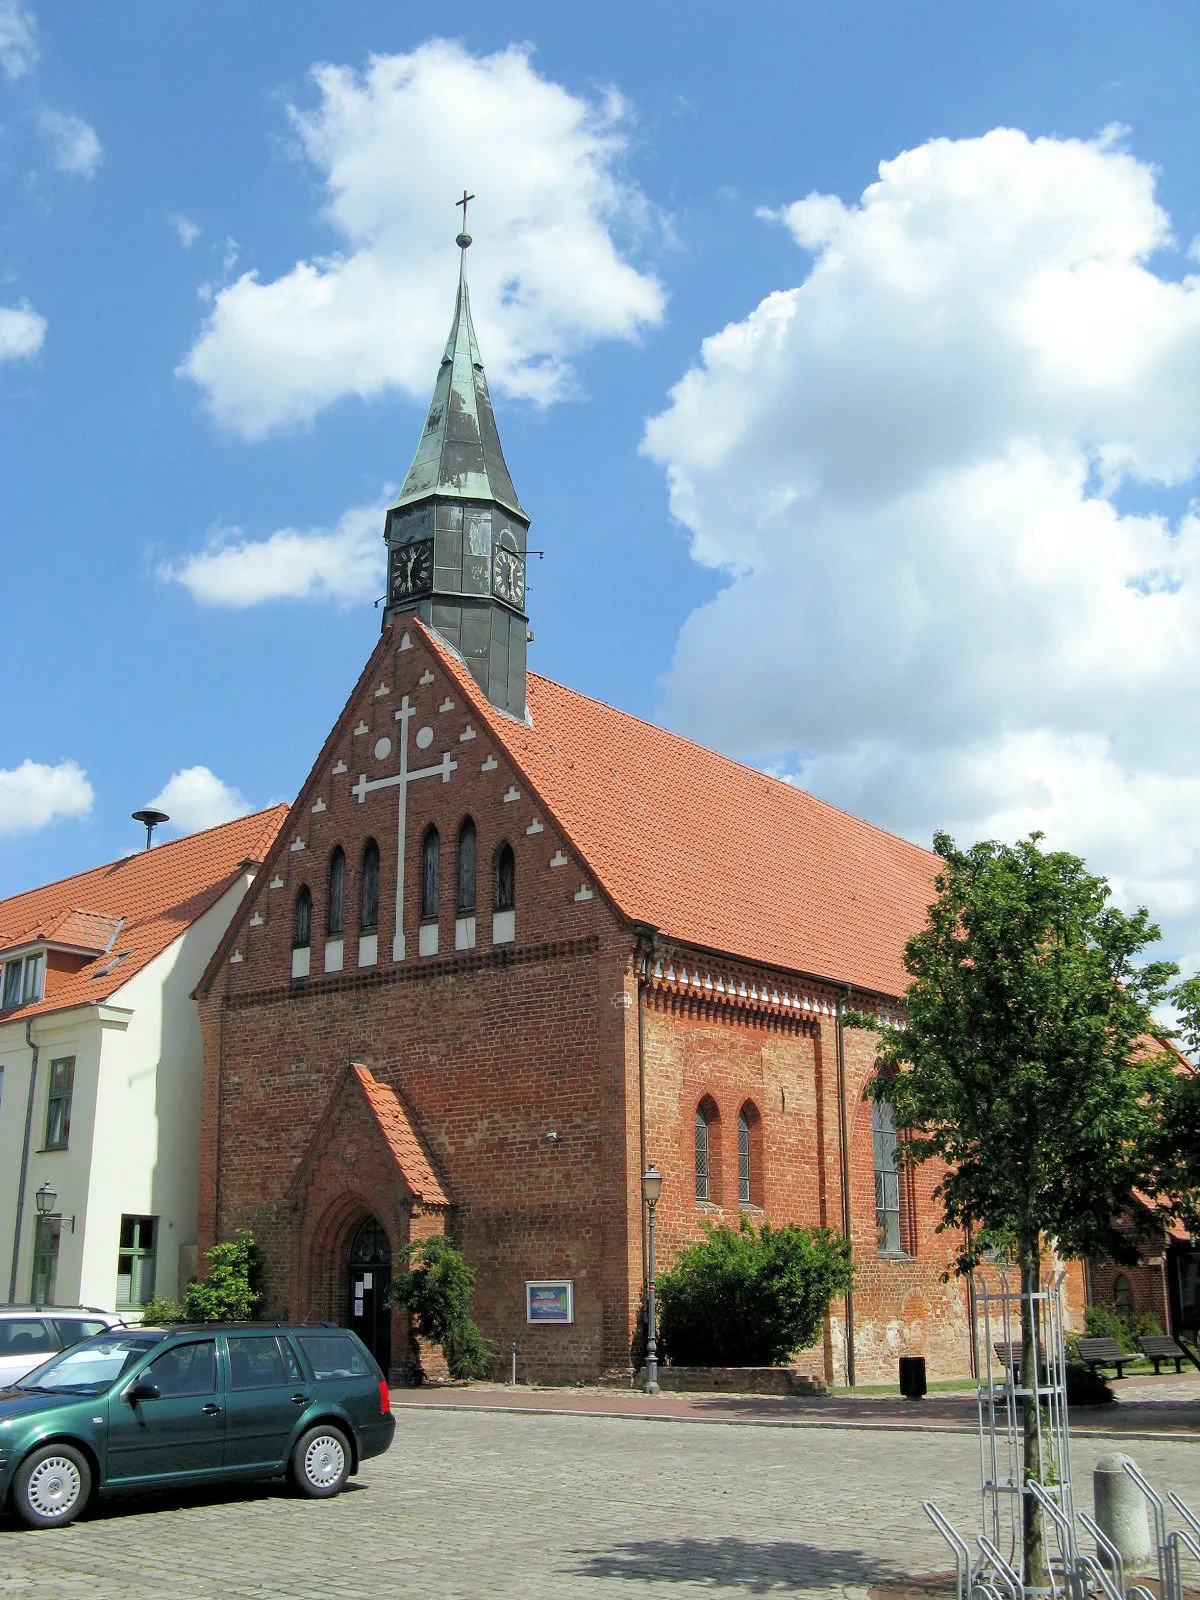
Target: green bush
<point>1087,1388</point>
<point>742,1298</point>
<point>160,1311</point>
<point>1102,1322</point>
<point>436,1292</point>
<point>226,1292</point>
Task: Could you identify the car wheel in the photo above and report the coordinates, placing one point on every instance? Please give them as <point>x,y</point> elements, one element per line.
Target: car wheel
<point>52,1486</point>
<point>321,1462</point>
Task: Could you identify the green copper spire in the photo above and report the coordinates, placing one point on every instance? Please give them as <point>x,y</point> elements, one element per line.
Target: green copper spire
<point>459,455</point>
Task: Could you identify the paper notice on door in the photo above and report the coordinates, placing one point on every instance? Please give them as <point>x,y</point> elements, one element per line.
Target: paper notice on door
<point>358,1310</point>
<point>368,1280</point>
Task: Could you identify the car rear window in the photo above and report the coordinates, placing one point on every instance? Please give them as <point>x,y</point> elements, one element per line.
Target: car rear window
<point>333,1355</point>
<point>26,1336</point>
<point>71,1329</point>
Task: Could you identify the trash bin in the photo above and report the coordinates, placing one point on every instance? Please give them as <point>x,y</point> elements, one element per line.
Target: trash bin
<point>912,1377</point>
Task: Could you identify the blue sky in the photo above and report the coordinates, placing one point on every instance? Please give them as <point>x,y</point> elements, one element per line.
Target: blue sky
<point>915,530</point>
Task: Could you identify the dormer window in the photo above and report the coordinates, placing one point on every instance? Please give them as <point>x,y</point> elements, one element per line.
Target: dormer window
<point>24,980</point>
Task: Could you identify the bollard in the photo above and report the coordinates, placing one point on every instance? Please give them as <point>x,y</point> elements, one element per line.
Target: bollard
<point>1121,1512</point>
<point>514,1363</point>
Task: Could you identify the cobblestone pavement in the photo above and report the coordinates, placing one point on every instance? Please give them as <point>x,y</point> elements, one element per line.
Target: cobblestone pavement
<point>485,1502</point>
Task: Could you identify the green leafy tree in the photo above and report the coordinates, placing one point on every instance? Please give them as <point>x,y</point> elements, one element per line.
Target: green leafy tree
<point>436,1292</point>
<point>227,1291</point>
<point>1179,1149</point>
<point>747,1298</point>
<point>1024,1067</point>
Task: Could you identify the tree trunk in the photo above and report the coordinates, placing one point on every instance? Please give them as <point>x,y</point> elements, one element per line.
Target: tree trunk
<point>1032,1522</point>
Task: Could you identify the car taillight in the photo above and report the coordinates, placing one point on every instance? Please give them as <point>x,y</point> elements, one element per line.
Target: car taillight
<point>385,1399</point>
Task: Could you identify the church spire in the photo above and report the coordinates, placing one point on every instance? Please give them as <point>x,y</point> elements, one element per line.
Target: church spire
<point>459,453</point>
<point>456,532</point>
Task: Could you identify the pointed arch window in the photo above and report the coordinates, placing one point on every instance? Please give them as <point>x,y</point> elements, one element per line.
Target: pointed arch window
<point>708,1152</point>
<point>368,912</point>
<point>302,920</point>
<point>431,847</point>
<point>465,903</point>
<point>301,932</point>
<point>887,1180</point>
<point>335,908</point>
<point>506,879</point>
<point>749,1156</point>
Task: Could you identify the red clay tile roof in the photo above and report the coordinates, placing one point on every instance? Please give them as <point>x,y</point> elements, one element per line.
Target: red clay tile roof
<point>711,852</point>
<point>402,1139</point>
<point>154,895</point>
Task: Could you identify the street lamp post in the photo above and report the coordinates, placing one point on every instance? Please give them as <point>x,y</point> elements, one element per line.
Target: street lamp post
<point>651,1186</point>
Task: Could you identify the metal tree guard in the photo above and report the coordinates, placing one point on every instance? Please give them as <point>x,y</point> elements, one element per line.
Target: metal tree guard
<point>997,1572</point>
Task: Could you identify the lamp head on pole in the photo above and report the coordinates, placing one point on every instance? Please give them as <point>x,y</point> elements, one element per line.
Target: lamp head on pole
<point>45,1199</point>
<point>651,1184</point>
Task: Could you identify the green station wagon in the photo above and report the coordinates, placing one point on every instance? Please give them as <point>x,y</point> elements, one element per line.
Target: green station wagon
<point>149,1407</point>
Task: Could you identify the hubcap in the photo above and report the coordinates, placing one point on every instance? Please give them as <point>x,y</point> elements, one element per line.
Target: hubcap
<point>324,1461</point>
<point>54,1486</point>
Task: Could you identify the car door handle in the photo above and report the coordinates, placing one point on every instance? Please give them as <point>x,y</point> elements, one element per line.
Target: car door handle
<point>211,1410</point>
<point>300,1399</point>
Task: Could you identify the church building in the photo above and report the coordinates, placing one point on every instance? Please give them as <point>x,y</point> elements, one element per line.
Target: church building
<point>513,945</point>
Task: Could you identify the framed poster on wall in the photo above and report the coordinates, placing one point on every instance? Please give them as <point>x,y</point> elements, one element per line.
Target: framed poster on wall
<point>550,1300</point>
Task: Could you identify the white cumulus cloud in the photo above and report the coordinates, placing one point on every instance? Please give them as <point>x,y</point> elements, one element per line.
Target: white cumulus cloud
<point>915,466</point>
<point>33,795</point>
<point>22,332</point>
<point>18,39</point>
<point>550,272</point>
<point>345,564</point>
<point>195,798</point>
<point>73,144</point>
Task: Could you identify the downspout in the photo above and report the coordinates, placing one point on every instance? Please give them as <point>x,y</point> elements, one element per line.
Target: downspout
<point>844,1140</point>
<point>16,1249</point>
<point>646,937</point>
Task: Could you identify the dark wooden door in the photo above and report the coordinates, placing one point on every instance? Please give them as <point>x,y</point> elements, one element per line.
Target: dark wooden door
<point>370,1316</point>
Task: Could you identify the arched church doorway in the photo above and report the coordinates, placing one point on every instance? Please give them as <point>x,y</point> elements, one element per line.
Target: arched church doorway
<point>370,1279</point>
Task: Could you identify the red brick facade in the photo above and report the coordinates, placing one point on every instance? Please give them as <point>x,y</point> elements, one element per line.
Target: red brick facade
<point>528,1069</point>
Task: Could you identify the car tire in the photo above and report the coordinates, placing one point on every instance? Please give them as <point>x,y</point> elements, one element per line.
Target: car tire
<point>321,1462</point>
<point>52,1486</point>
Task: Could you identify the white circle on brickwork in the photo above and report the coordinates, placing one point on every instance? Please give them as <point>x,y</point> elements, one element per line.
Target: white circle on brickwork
<point>383,749</point>
<point>424,738</point>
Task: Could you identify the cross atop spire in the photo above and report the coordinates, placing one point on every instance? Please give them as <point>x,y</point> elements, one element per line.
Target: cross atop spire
<point>464,238</point>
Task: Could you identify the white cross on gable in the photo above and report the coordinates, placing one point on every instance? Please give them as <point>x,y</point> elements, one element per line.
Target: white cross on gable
<point>401,780</point>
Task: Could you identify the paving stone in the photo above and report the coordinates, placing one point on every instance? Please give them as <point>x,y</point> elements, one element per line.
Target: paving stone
<point>475,1503</point>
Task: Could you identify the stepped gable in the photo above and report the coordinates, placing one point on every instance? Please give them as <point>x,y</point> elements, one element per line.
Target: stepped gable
<point>129,911</point>
<point>709,851</point>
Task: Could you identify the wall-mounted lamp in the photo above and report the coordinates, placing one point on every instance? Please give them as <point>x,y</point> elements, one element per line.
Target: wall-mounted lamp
<point>45,1199</point>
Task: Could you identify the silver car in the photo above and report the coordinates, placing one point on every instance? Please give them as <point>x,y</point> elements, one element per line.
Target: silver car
<point>30,1335</point>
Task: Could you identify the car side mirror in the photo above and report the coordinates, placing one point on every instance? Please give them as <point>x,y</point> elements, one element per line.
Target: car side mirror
<point>143,1389</point>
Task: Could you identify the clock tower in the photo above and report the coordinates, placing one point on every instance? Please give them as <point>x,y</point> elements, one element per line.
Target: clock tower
<point>456,533</point>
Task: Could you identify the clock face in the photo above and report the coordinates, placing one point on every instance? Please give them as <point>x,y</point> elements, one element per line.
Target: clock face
<point>508,577</point>
<point>411,570</point>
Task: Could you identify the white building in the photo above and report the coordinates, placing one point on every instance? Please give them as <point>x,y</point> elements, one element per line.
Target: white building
<point>100,1067</point>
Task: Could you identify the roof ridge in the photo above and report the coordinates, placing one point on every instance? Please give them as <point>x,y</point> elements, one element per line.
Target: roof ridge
<point>167,844</point>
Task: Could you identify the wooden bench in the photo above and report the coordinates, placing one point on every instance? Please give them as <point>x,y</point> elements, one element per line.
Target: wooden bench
<point>1161,1347</point>
<point>1103,1353</point>
<point>1009,1357</point>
